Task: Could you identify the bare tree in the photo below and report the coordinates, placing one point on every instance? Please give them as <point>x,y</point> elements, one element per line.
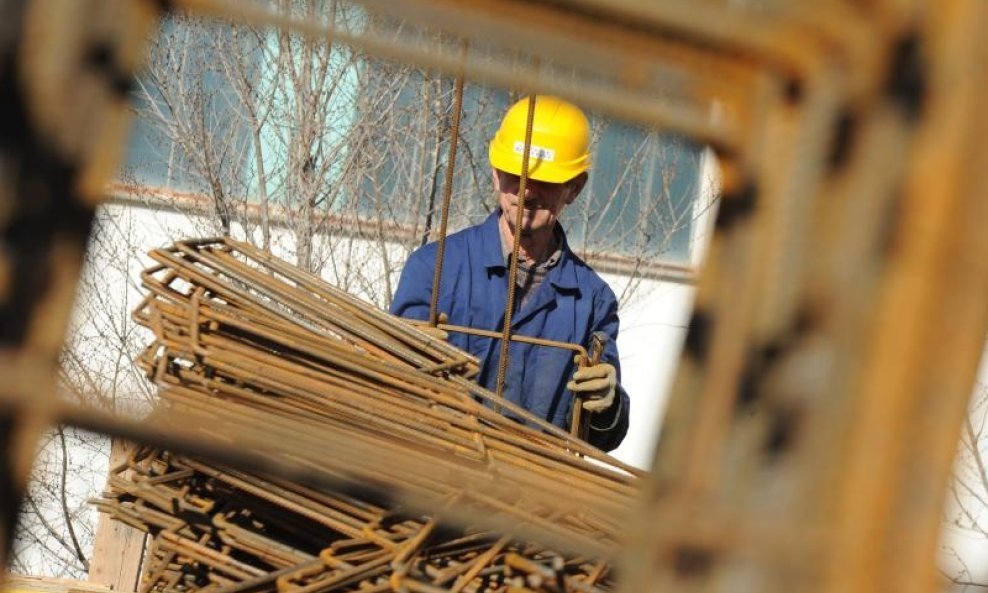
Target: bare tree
<point>55,533</point>
<point>638,209</point>
<point>57,527</point>
<point>967,510</point>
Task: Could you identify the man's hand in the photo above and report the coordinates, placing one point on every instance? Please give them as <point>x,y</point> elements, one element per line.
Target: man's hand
<point>597,384</point>
<point>435,332</point>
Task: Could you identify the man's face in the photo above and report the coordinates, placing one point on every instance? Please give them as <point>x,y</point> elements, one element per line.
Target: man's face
<point>544,201</point>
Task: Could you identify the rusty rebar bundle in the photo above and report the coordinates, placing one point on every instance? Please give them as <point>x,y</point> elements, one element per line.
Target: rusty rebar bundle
<point>252,345</point>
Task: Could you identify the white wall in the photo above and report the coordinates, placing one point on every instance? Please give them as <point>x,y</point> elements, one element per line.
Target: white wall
<point>653,326</point>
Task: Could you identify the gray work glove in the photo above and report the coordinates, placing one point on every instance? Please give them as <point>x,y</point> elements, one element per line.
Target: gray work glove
<point>597,384</point>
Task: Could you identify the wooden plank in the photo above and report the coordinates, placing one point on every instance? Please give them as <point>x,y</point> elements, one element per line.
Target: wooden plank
<point>30,584</point>
<point>118,550</point>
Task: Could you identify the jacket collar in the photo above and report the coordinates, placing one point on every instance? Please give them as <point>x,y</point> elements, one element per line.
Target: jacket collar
<point>490,237</point>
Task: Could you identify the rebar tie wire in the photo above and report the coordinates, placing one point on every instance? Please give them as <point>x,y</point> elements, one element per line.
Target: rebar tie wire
<point>509,307</point>
<point>448,188</point>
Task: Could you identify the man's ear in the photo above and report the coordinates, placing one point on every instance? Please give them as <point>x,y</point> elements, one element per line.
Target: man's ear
<point>576,186</point>
<point>497,182</point>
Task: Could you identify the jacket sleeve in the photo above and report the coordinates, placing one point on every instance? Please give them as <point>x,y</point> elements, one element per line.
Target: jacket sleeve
<point>414,293</point>
<point>608,428</point>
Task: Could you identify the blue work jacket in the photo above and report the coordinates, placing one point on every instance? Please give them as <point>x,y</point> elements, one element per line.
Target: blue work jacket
<point>570,304</point>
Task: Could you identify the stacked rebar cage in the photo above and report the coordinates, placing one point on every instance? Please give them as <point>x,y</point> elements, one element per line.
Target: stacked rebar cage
<point>245,339</point>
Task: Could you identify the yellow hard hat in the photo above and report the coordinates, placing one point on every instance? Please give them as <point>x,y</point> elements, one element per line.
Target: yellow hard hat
<point>560,140</point>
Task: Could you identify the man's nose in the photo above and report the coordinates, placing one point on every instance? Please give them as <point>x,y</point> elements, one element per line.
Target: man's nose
<point>531,190</point>
<point>532,197</point>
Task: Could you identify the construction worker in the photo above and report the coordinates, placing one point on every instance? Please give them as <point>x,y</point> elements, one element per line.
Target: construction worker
<point>558,296</point>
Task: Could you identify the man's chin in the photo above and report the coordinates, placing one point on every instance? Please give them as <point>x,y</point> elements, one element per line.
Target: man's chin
<point>526,228</point>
